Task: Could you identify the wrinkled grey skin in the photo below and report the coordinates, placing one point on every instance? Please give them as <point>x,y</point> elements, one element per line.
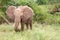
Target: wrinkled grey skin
<point>22,14</point>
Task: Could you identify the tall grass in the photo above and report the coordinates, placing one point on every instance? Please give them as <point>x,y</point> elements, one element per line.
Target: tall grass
<point>39,32</point>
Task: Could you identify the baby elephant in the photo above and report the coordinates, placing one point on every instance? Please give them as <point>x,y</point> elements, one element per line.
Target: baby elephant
<point>22,14</point>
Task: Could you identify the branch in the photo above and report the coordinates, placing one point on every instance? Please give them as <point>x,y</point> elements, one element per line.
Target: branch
<point>5,20</point>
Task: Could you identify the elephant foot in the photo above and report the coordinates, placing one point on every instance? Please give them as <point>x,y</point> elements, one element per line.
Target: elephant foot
<point>31,28</point>
<point>17,30</point>
<point>21,30</point>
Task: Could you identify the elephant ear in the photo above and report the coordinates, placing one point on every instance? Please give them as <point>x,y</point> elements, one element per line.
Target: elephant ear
<point>10,11</point>
<point>28,12</point>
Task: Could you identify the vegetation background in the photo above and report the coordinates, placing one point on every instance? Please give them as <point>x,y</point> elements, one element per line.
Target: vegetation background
<point>46,28</point>
<point>41,9</point>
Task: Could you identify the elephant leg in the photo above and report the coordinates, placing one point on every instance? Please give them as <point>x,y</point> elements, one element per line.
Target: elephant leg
<point>22,26</point>
<point>27,25</point>
<point>30,23</point>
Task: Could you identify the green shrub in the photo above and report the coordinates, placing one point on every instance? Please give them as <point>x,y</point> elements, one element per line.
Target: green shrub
<point>42,15</point>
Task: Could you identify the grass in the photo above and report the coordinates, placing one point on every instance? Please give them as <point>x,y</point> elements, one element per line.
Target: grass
<point>39,32</point>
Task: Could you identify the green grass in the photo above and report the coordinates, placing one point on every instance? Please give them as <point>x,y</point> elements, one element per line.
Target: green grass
<point>39,32</point>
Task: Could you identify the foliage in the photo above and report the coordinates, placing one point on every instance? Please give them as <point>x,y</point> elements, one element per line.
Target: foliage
<point>54,1</point>
<point>42,1</point>
<point>42,14</point>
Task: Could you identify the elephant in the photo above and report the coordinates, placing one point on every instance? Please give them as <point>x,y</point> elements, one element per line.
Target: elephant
<point>22,14</point>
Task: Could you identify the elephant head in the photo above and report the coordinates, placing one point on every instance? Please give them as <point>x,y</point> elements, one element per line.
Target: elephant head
<point>14,14</point>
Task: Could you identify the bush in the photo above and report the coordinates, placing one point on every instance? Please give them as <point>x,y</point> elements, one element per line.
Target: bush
<point>42,15</point>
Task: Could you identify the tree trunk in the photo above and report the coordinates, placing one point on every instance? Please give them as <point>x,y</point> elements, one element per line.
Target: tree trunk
<point>5,20</point>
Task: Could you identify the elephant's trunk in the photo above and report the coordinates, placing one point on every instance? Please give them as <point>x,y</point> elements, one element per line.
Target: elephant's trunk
<point>17,20</point>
